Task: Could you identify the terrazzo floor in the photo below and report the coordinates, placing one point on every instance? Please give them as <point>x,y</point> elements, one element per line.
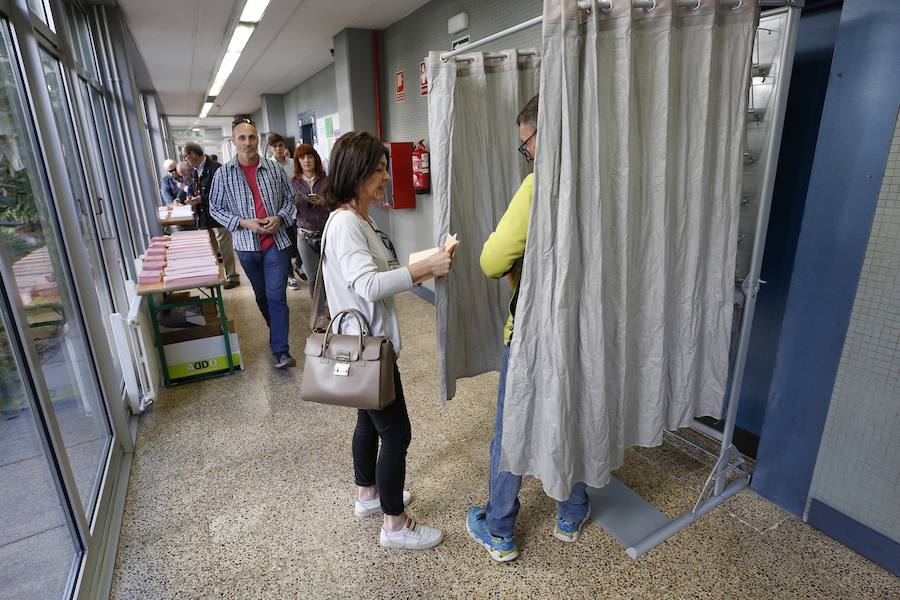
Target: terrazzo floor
<point>240,490</point>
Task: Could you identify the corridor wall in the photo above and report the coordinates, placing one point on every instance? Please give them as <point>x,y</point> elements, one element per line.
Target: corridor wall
<point>851,154</point>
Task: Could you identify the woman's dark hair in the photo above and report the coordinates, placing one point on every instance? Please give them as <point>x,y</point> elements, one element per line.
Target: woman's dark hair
<point>354,158</point>
<point>301,151</point>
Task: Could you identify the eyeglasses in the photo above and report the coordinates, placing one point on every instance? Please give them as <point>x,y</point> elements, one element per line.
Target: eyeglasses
<point>523,148</point>
<point>172,170</point>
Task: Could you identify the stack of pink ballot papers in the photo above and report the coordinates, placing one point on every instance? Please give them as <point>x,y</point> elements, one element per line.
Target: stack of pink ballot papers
<point>154,261</point>
<point>190,259</point>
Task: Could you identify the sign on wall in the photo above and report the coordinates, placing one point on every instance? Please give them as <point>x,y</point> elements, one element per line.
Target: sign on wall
<point>400,85</point>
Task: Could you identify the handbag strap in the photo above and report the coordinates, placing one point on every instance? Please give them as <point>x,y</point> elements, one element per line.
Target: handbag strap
<point>317,295</point>
<point>320,283</point>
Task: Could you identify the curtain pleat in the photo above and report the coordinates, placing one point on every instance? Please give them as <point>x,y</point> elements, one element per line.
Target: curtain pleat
<point>476,169</point>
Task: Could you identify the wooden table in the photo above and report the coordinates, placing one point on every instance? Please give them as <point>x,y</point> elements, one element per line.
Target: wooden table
<point>213,296</point>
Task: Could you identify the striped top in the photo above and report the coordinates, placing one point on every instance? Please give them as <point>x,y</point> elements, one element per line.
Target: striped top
<point>230,200</point>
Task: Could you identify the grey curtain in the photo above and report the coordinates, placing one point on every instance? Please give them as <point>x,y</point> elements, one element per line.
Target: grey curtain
<point>625,310</point>
<point>473,102</point>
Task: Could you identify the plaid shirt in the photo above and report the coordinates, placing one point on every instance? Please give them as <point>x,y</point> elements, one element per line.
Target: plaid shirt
<point>231,200</point>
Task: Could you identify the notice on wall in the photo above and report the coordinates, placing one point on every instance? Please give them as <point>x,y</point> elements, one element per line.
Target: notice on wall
<point>400,85</point>
<point>328,130</point>
<point>423,79</point>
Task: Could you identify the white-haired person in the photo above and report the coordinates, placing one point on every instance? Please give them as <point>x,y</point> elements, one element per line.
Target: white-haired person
<point>169,186</point>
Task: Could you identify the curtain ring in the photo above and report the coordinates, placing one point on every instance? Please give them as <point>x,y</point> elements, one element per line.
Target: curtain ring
<point>652,6</point>
<point>695,6</point>
<point>735,7</point>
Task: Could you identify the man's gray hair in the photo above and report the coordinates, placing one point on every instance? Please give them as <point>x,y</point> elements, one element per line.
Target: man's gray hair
<point>184,167</point>
<point>529,114</point>
<point>193,148</point>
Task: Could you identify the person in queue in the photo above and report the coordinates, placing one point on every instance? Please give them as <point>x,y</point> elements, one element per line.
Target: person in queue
<point>361,271</point>
<point>493,526</point>
<point>169,185</point>
<point>186,173</point>
<point>282,156</point>
<point>309,183</point>
<point>252,197</point>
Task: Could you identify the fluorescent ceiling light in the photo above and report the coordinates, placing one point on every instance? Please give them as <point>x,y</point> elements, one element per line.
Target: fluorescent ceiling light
<point>240,37</point>
<point>253,11</point>
<point>228,61</point>
<point>205,110</point>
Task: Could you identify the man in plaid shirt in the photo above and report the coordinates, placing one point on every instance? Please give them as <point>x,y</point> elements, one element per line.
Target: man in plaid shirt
<point>253,198</point>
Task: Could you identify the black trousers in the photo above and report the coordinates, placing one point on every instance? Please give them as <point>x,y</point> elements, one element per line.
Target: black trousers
<point>387,468</point>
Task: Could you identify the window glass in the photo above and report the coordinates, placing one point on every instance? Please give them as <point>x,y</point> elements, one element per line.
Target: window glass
<point>37,550</point>
<point>83,49</point>
<point>41,287</point>
<point>41,9</point>
<point>85,204</point>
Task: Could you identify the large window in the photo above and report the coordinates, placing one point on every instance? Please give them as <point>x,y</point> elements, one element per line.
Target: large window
<point>37,280</point>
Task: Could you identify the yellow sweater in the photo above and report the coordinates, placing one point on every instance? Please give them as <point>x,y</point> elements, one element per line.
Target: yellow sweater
<point>504,249</point>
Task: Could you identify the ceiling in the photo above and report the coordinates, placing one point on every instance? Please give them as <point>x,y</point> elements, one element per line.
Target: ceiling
<point>181,42</point>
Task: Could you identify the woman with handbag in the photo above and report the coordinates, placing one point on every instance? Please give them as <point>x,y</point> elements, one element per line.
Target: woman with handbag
<point>361,272</point>
<point>309,183</point>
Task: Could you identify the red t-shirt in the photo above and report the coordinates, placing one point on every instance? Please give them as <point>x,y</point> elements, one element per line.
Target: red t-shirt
<point>266,241</point>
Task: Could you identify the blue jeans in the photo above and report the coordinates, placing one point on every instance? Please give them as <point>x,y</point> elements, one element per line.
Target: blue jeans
<point>268,272</point>
<point>503,487</point>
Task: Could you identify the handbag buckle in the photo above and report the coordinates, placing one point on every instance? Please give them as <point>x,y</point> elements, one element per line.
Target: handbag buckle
<point>342,366</point>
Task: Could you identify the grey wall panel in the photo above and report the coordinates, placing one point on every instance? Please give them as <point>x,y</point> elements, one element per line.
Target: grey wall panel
<point>858,467</point>
<point>317,94</point>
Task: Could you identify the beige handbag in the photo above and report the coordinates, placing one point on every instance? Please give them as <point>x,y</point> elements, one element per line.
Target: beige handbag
<point>347,370</point>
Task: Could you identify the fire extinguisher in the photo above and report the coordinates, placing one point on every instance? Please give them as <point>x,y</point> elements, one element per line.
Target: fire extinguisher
<point>421,168</point>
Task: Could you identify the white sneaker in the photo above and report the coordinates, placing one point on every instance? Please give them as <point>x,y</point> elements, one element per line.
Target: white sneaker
<point>367,508</point>
<point>412,537</point>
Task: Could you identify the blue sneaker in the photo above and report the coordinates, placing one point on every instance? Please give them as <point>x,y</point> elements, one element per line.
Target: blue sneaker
<point>501,549</point>
<point>568,531</point>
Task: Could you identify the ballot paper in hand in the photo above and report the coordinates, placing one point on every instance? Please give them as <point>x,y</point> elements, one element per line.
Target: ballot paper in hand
<point>450,244</point>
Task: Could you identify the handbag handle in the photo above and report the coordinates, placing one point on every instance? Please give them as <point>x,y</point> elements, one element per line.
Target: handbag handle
<point>360,318</point>
<point>361,321</point>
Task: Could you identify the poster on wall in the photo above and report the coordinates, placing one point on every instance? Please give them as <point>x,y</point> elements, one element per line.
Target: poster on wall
<point>328,130</point>
<point>423,79</point>
<point>400,84</point>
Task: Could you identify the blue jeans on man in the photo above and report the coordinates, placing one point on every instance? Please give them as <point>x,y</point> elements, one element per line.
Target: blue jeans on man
<point>503,487</point>
<point>268,272</point>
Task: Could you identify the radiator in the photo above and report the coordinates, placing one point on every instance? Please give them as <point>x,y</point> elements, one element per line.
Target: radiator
<point>134,345</point>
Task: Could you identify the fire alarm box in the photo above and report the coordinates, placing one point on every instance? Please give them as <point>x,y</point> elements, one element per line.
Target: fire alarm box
<point>400,192</point>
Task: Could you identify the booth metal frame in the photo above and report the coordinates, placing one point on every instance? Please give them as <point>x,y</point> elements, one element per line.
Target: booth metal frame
<point>635,523</point>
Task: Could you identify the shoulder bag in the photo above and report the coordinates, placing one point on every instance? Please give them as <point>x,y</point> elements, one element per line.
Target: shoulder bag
<point>346,370</point>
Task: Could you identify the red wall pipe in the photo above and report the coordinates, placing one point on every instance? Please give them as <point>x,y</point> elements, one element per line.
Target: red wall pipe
<point>377,84</point>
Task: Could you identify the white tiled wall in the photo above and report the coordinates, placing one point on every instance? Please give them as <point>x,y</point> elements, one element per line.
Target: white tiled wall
<point>858,468</point>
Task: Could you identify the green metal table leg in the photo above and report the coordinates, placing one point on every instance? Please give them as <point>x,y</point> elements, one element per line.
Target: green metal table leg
<point>220,300</point>
<point>157,340</point>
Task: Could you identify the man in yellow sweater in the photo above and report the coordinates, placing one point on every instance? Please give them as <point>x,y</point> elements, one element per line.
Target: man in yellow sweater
<point>493,526</point>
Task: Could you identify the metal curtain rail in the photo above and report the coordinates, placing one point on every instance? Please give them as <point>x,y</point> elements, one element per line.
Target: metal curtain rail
<point>603,5</point>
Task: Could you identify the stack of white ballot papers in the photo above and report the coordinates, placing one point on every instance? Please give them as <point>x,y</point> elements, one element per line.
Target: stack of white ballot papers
<point>450,244</point>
